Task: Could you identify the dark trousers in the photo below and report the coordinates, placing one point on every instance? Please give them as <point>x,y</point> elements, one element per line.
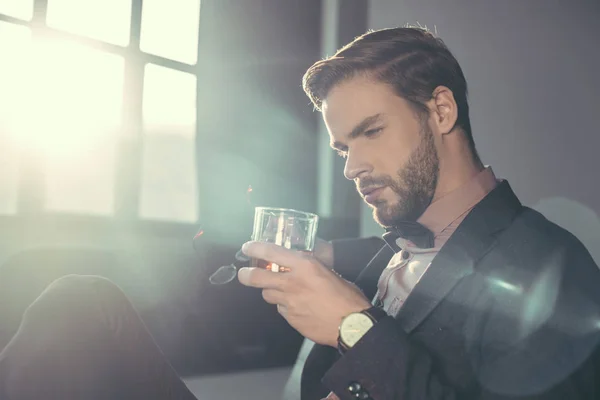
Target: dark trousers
<point>82,339</point>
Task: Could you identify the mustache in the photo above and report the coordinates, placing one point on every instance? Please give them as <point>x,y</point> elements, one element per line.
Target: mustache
<point>369,182</point>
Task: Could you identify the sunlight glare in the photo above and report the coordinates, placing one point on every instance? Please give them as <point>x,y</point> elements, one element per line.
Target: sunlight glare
<point>15,45</point>
<point>21,9</point>
<point>106,20</point>
<point>180,20</point>
<point>169,100</point>
<point>14,41</point>
<point>507,286</point>
<point>169,112</point>
<point>71,99</point>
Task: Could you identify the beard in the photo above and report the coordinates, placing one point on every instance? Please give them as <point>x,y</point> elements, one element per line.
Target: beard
<point>414,184</point>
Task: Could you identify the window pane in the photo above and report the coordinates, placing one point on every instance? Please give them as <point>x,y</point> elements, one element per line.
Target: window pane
<point>76,98</point>
<point>106,20</point>
<point>170,29</point>
<point>169,186</point>
<point>15,42</point>
<point>9,168</point>
<point>22,9</point>
<point>83,184</point>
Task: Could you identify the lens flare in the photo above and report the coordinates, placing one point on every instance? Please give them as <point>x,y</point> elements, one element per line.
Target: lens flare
<point>248,194</point>
<point>507,286</point>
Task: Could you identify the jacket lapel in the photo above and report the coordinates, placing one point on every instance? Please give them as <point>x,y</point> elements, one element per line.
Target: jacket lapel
<point>474,237</point>
<point>450,265</point>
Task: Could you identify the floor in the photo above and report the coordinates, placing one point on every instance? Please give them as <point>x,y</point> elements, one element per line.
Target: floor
<point>253,385</point>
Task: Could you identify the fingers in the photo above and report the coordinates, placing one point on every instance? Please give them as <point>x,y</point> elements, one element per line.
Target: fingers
<point>281,309</point>
<point>261,278</point>
<point>274,296</point>
<point>273,253</point>
<point>240,256</point>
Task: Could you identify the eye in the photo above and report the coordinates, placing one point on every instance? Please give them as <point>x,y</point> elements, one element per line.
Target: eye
<point>373,132</point>
<point>342,153</point>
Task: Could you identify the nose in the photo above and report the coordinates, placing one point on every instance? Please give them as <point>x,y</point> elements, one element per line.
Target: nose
<point>355,167</point>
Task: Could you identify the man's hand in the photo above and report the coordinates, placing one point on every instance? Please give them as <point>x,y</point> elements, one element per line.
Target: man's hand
<point>323,252</point>
<point>311,297</point>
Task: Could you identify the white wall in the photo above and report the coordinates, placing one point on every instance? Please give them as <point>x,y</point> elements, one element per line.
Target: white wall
<point>533,70</point>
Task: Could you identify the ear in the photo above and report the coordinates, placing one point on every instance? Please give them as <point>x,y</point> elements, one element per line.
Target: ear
<point>443,110</point>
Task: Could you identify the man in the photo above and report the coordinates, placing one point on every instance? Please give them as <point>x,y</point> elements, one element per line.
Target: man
<point>482,298</point>
<point>473,296</point>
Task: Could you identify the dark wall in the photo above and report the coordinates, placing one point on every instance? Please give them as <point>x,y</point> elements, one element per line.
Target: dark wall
<point>519,65</point>
<point>255,125</point>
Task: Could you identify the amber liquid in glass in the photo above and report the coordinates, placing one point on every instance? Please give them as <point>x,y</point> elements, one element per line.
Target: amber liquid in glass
<point>258,263</point>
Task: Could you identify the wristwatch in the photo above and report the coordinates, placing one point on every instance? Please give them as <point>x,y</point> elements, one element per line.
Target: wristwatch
<point>356,325</point>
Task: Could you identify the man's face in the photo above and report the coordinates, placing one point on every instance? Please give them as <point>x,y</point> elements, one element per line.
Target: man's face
<point>390,152</point>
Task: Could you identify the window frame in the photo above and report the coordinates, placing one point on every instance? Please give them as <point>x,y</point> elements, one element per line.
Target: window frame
<point>30,190</point>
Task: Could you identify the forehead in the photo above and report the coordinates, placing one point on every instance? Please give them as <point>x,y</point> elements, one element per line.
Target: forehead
<point>351,101</point>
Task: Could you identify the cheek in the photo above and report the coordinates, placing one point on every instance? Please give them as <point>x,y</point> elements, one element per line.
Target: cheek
<point>389,158</point>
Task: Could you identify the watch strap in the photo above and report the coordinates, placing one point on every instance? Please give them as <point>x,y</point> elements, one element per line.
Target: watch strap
<point>376,313</point>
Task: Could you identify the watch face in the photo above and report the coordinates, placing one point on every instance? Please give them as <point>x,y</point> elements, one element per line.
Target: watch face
<point>353,327</point>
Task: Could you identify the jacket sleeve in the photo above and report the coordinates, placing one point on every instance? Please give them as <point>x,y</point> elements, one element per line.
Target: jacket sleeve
<point>385,365</point>
<point>351,256</point>
<point>538,343</point>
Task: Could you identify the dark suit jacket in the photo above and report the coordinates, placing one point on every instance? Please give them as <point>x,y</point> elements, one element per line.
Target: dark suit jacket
<point>508,309</point>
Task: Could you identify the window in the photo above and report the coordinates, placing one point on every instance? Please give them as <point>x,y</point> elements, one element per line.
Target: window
<point>78,101</point>
<point>21,9</point>
<point>169,112</point>
<point>179,18</point>
<point>15,42</point>
<point>62,105</point>
<point>106,20</point>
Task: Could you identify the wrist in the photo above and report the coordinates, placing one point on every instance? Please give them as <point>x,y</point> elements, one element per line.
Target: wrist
<point>356,325</point>
<point>335,335</point>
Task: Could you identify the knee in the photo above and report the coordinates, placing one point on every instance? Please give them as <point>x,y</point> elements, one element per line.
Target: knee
<point>74,282</point>
<point>84,284</point>
<point>76,291</point>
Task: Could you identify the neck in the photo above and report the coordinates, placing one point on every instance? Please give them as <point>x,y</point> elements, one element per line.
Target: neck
<point>457,166</point>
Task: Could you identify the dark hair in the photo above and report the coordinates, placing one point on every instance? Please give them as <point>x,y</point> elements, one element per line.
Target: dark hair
<point>411,59</point>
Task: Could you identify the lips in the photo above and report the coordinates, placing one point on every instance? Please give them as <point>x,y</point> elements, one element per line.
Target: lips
<point>371,194</point>
<point>367,191</point>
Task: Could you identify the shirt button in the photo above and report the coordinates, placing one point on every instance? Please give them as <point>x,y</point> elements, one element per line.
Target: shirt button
<point>354,387</point>
<point>362,395</point>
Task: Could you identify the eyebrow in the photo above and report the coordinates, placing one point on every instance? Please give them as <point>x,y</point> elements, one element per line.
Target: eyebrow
<point>358,130</point>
